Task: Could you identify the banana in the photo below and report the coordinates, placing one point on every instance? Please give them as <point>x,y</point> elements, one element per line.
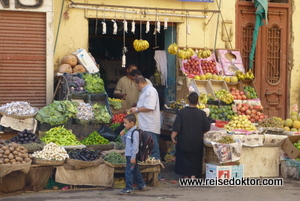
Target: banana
<point>199,54</point>
<point>140,45</point>
<point>173,49</point>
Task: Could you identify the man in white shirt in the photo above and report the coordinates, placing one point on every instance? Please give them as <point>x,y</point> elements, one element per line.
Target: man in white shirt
<point>148,111</point>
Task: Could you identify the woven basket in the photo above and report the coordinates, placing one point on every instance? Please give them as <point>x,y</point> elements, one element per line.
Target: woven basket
<point>102,147</point>
<point>39,161</point>
<point>21,117</point>
<point>114,165</point>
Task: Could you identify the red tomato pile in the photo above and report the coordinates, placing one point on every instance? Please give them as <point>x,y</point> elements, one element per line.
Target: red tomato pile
<point>118,118</point>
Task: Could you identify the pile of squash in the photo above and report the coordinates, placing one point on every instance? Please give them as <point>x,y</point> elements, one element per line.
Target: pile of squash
<point>69,64</point>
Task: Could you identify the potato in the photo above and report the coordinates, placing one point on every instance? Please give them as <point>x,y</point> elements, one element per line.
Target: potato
<point>1,162</point>
<point>7,152</point>
<point>10,156</point>
<point>12,160</point>
<point>19,159</point>
<point>5,156</point>
<point>15,153</point>
<point>6,160</point>
<point>1,151</point>
<point>4,147</point>
<point>11,149</point>
<point>23,162</point>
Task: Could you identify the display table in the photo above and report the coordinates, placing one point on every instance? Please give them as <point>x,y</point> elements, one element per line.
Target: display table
<point>151,171</point>
<point>257,161</point>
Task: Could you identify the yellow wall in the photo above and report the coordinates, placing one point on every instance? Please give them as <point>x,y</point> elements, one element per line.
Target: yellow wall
<point>295,60</point>
<point>73,32</point>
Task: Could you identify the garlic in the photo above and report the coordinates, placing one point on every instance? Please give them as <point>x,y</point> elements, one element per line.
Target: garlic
<point>51,152</point>
<point>125,26</point>
<point>147,26</point>
<point>158,26</point>
<point>166,23</point>
<point>103,27</point>
<point>133,27</point>
<point>115,27</point>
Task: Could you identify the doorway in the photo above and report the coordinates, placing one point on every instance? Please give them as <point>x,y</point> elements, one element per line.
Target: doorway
<point>271,56</point>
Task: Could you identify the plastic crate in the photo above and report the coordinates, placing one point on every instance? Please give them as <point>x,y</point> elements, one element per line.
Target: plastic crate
<point>79,98</point>
<point>101,99</point>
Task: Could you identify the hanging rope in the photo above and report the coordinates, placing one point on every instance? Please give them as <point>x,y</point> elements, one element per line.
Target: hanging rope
<point>96,25</point>
<point>218,21</point>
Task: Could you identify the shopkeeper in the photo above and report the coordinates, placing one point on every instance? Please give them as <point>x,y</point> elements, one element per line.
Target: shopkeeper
<point>126,89</point>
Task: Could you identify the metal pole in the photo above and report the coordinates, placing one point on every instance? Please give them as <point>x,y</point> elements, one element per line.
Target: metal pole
<point>219,7</point>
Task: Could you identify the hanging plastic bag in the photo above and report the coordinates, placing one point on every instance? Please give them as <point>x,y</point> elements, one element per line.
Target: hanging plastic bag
<point>107,133</point>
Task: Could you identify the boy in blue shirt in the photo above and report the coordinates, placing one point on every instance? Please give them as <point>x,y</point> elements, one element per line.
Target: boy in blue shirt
<point>131,149</point>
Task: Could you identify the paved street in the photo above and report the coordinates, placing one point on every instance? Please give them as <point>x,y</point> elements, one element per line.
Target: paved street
<point>168,190</point>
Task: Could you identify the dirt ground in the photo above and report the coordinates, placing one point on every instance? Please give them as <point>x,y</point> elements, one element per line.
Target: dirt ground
<point>169,189</point>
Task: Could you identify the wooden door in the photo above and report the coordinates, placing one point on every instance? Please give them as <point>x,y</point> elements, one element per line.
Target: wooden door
<point>271,56</point>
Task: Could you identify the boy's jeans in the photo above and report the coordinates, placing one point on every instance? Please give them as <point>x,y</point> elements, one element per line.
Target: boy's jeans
<point>133,170</point>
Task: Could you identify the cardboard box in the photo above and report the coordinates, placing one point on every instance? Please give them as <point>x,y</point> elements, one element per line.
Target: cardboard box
<point>289,148</point>
<point>237,171</point>
<point>231,61</point>
<point>85,59</point>
<point>219,172</point>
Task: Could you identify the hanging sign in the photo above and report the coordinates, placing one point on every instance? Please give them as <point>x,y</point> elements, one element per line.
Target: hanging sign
<point>198,0</point>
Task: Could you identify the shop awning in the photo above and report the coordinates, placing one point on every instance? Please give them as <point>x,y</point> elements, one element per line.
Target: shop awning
<point>260,14</point>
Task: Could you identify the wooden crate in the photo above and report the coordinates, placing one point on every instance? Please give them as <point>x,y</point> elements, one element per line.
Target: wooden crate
<point>202,86</point>
<point>237,86</point>
<point>218,85</point>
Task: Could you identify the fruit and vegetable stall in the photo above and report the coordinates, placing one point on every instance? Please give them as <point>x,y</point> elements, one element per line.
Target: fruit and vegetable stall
<point>70,136</point>
<point>242,139</point>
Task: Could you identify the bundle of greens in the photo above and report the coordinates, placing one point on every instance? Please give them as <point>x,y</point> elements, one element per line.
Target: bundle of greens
<point>115,103</point>
<point>94,84</point>
<point>57,113</point>
<point>115,158</point>
<point>94,138</point>
<point>101,113</point>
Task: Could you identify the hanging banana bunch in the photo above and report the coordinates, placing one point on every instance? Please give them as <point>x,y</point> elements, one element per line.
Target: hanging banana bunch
<point>140,45</point>
<point>173,49</point>
<point>186,54</point>
<point>204,53</point>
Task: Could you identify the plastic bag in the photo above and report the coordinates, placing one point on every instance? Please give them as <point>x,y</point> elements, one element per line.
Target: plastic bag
<point>107,133</point>
<point>119,128</point>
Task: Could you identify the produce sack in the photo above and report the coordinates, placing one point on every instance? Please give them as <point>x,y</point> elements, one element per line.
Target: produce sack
<point>13,181</point>
<point>78,164</point>
<point>228,152</point>
<point>102,175</point>
<point>107,133</point>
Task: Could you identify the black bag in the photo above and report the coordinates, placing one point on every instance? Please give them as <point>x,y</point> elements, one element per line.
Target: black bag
<point>107,133</point>
<point>119,128</point>
<point>146,144</point>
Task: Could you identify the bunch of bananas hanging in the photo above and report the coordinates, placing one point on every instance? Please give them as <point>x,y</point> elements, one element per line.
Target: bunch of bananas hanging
<point>186,54</point>
<point>173,49</point>
<point>247,76</point>
<point>205,53</point>
<point>140,45</point>
<point>203,98</point>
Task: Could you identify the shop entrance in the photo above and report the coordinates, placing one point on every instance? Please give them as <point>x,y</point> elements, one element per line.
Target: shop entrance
<point>107,50</point>
<point>271,56</point>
